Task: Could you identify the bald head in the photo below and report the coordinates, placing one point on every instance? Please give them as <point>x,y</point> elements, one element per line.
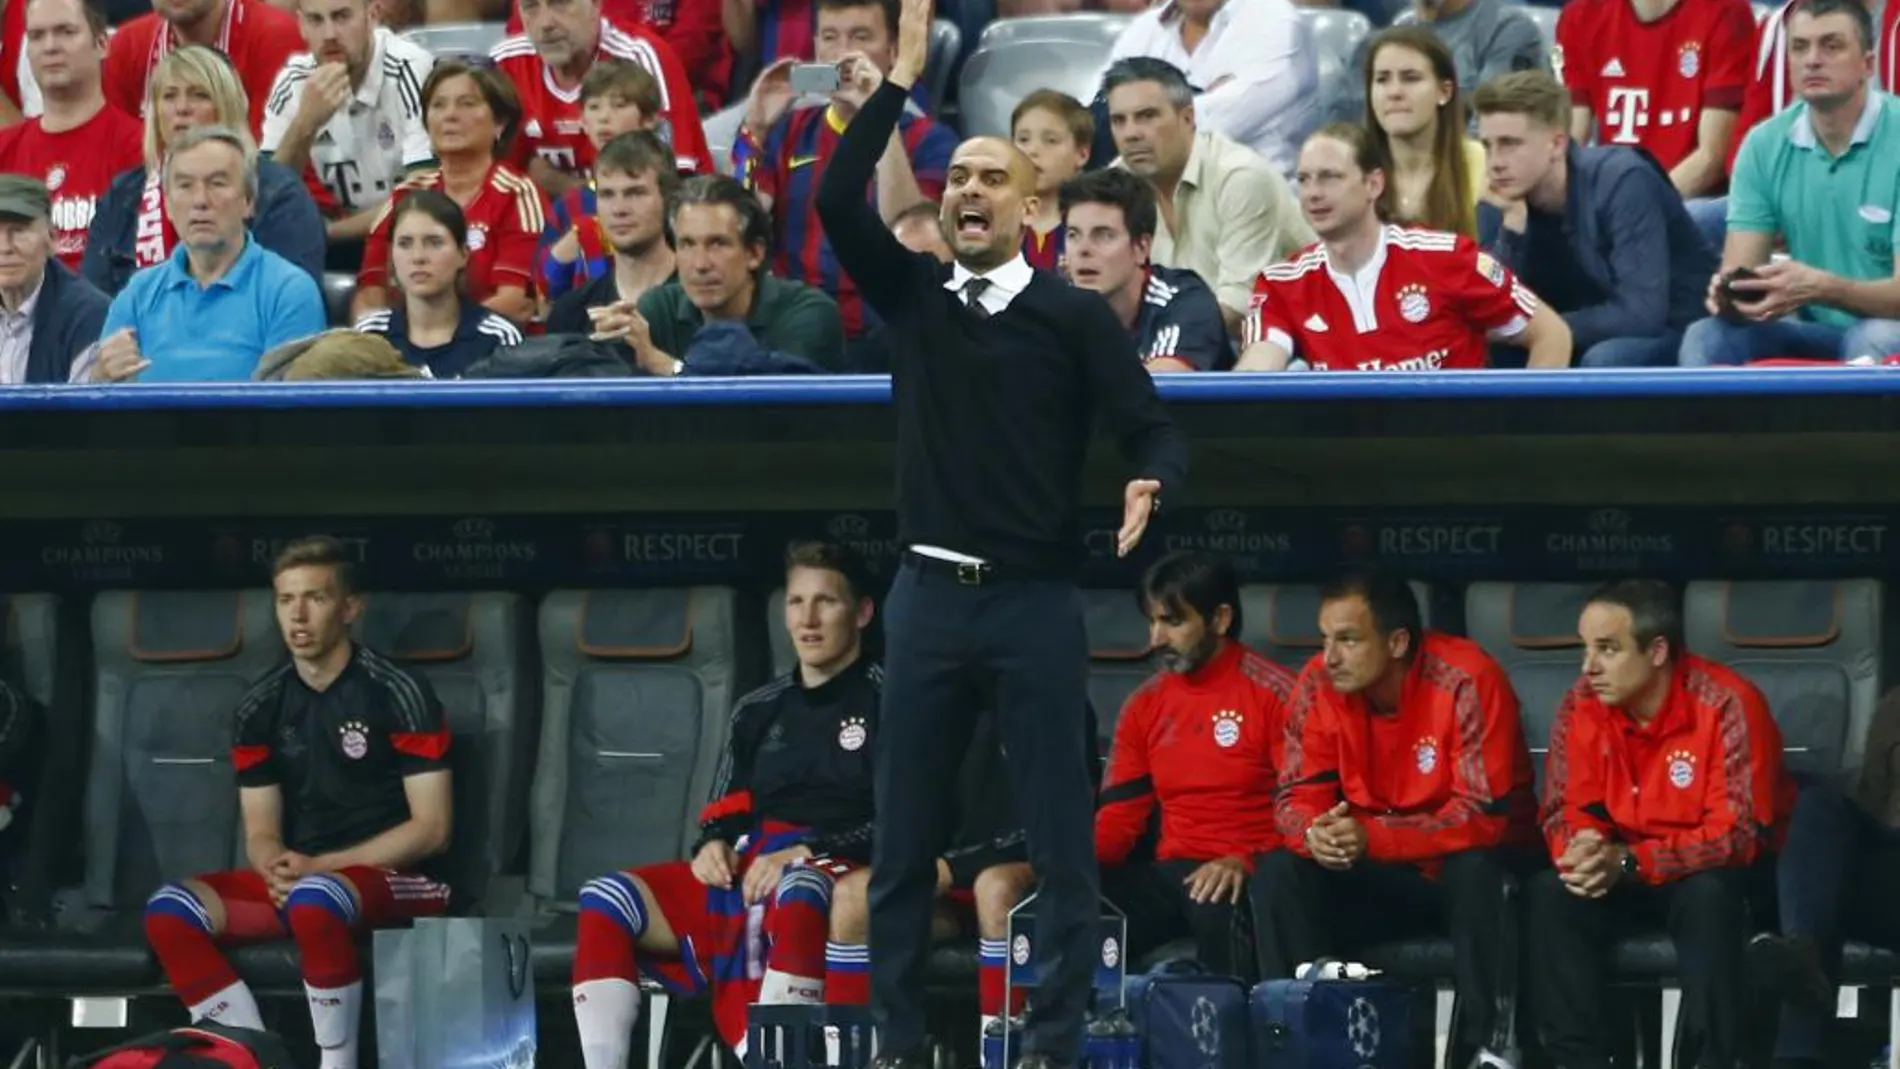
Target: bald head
<point>994,152</point>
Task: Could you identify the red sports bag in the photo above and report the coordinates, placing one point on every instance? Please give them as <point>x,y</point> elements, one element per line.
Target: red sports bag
<point>202,1046</point>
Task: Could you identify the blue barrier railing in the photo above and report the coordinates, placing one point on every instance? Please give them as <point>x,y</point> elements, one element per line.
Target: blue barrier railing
<point>876,389</point>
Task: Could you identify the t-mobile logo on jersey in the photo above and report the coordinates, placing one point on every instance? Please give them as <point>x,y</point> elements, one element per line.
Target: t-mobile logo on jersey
<point>1627,114</point>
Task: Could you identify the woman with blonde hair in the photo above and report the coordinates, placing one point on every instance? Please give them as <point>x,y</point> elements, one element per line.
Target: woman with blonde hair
<point>1417,115</point>
<point>194,86</point>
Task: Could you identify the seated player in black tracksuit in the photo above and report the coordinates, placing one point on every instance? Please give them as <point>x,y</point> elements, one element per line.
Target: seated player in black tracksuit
<point>745,920</point>
<point>343,779</point>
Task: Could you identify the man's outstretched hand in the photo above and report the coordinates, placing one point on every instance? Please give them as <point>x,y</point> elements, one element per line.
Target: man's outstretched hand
<point>1138,504</point>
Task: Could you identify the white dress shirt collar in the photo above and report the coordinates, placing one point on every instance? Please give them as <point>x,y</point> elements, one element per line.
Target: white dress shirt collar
<point>1006,281</point>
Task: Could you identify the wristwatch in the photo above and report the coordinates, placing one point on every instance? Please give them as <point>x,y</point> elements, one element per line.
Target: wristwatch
<point>1629,862</point>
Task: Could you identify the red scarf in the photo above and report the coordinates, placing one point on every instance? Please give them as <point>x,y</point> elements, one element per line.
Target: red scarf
<point>154,240</point>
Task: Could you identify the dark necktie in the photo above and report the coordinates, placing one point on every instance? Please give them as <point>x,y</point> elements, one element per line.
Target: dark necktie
<point>973,291</point>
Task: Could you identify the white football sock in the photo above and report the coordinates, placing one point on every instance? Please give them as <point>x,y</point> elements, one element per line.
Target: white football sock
<point>336,1018</point>
<point>234,1006</point>
<point>605,1011</point>
<point>784,989</point>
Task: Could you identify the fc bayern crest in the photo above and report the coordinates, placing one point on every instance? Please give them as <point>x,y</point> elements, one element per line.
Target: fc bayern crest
<point>1226,728</point>
<point>385,136</point>
<point>1111,952</point>
<point>1681,769</point>
<point>1427,754</point>
<point>852,736</point>
<point>1689,63</point>
<point>355,740</point>
<point>1413,304</point>
<point>1019,950</point>
<point>55,178</point>
<point>477,237</point>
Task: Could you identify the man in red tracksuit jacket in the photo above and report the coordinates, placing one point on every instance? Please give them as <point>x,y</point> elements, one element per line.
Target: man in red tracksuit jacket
<point>1405,800</point>
<point>1200,739</point>
<point>1663,790</point>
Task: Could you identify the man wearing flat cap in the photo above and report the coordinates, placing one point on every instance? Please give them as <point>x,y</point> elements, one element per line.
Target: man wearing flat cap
<point>50,318</point>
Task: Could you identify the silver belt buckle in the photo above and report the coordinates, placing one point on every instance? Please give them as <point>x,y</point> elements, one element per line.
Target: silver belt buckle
<point>970,573</point>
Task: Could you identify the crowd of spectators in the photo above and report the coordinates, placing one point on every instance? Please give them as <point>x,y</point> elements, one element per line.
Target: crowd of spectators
<point>1671,182</point>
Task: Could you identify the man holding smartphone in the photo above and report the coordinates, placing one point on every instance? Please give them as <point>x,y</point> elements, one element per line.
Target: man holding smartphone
<point>785,146</point>
<point>1823,177</point>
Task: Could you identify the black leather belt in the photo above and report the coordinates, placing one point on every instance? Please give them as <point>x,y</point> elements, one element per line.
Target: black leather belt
<point>968,573</point>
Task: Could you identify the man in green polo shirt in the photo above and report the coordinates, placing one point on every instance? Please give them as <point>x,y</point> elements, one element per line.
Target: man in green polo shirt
<point>1824,178</point>
<point>721,237</point>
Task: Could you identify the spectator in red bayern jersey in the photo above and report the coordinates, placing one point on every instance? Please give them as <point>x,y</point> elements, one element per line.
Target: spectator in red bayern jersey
<point>79,142</point>
<point>1200,739</point>
<point>1405,789</point>
<point>547,65</point>
<point>256,36</point>
<point>472,117</point>
<point>692,27</point>
<point>1664,786</point>
<point>1371,296</point>
<point>782,154</point>
<point>1663,74</point>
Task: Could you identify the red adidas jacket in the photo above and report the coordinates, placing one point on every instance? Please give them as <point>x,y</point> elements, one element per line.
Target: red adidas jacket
<point>1448,771</point>
<point>1699,787</point>
<point>1204,747</point>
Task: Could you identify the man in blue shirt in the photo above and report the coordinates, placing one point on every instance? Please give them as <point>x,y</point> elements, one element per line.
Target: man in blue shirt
<point>1109,217</point>
<point>1597,231</point>
<point>1823,177</point>
<point>222,300</point>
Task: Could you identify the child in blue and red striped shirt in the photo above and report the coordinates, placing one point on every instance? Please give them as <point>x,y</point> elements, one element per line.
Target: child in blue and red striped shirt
<point>1055,131</point>
<point>616,98</point>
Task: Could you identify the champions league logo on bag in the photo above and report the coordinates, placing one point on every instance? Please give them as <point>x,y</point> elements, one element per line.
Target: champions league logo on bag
<point>1362,1029</point>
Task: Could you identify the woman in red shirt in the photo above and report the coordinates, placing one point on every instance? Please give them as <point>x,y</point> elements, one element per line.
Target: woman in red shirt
<point>472,116</point>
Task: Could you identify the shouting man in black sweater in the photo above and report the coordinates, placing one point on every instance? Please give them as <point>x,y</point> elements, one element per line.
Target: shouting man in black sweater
<point>999,374</point>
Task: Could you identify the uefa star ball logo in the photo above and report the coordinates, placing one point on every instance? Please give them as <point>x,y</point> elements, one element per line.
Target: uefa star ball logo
<point>1362,1028</point>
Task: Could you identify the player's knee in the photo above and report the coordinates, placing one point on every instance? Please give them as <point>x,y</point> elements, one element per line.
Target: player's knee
<point>851,908</point>
<point>998,889</point>
<point>327,893</point>
<point>806,886</point>
<point>183,902</point>
<point>619,898</point>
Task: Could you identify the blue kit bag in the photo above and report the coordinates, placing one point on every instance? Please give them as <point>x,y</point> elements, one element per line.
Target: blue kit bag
<point>1333,1023</point>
